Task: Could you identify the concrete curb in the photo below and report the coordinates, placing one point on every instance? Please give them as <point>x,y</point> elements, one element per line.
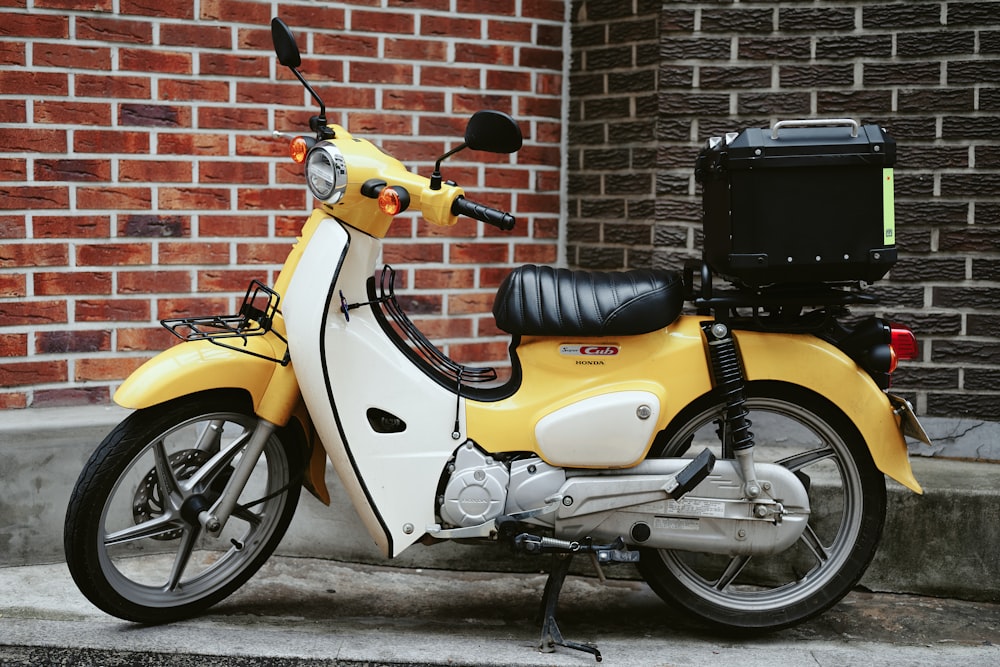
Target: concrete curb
<point>945,543</point>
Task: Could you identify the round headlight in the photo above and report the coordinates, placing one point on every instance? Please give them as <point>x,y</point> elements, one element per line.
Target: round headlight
<point>326,172</point>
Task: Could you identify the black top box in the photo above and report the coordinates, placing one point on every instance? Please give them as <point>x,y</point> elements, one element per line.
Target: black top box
<point>807,201</point>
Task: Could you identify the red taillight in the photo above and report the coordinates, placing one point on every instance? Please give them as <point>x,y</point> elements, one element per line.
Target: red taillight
<point>903,342</point>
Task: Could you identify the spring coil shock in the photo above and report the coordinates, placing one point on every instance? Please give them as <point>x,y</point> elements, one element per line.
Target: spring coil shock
<point>728,378</point>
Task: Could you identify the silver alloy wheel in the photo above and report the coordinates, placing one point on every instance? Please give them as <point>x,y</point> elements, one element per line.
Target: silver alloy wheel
<point>168,560</point>
<point>847,502</point>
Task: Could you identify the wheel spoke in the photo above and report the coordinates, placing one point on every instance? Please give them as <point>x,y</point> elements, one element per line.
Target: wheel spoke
<point>845,506</point>
<point>247,515</point>
<point>184,552</point>
<point>132,536</point>
<point>799,461</point>
<point>812,542</point>
<point>207,472</point>
<point>732,571</point>
<point>169,486</point>
<point>159,526</point>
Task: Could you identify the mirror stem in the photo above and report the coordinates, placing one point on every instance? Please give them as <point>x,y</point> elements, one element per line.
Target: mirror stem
<point>436,176</point>
<point>323,131</point>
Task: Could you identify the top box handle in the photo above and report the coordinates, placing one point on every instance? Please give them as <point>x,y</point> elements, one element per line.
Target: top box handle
<point>815,122</point>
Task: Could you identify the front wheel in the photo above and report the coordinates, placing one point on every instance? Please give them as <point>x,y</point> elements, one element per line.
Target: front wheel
<point>811,437</point>
<point>133,542</point>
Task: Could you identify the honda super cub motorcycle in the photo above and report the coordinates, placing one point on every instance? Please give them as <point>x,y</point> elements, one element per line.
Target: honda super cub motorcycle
<point>623,433</point>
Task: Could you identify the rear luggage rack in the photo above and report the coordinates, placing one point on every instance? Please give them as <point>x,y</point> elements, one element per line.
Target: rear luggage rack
<point>255,318</point>
<point>772,308</point>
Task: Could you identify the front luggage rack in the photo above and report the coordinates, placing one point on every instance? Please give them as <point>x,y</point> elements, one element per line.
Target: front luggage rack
<point>254,318</point>
<point>428,352</point>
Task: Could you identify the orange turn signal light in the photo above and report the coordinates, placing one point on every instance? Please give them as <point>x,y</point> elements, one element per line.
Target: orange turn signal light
<point>393,200</point>
<point>388,201</point>
<point>298,149</point>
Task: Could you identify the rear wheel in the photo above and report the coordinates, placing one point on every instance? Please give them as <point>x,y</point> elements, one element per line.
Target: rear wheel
<point>811,437</point>
<point>133,541</point>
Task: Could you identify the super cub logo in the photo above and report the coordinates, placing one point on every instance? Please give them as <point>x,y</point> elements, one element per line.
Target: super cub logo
<point>589,350</point>
<point>592,353</point>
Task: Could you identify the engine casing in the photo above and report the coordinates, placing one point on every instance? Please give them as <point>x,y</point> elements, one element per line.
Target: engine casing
<point>476,492</point>
<point>480,488</point>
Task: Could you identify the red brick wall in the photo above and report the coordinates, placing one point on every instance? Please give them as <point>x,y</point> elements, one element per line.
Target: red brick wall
<point>139,180</point>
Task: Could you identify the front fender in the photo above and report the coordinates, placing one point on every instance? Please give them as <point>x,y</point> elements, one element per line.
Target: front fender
<point>814,364</point>
<point>201,365</point>
<point>196,366</point>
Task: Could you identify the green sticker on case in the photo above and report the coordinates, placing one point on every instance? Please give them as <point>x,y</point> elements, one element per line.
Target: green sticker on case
<point>888,208</point>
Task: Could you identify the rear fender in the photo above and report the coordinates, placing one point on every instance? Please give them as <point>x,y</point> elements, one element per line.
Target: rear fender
<point>816,365</point>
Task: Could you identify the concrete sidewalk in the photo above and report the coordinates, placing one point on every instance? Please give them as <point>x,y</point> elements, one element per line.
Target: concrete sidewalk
<point>318,612</point>
<point>322,602</point>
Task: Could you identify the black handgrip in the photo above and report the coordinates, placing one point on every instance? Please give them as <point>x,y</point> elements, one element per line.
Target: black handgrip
<point>490,216</point>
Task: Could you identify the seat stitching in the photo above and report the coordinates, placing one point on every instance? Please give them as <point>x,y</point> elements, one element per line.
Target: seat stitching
<point>638,299</point>
<point>533,294</point>
<point>593,297</point>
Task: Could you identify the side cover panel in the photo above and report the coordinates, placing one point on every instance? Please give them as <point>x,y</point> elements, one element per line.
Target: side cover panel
<point>584,429</point>
<point>668,364</point>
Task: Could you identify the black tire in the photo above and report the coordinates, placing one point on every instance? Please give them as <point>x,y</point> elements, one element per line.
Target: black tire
<point>847,500</point>
<point>159,565</point>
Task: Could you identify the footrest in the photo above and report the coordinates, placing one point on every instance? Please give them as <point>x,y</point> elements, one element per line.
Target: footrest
<point>616,556</point>
<point>692,474</point>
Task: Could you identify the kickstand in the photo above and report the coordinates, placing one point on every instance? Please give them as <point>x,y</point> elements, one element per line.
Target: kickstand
<point>551,636</point>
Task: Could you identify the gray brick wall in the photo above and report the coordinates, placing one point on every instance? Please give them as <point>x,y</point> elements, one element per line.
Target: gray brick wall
<point>651,81</point>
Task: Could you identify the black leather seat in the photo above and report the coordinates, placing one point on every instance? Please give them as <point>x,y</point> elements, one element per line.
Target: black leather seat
<point>544,301</point>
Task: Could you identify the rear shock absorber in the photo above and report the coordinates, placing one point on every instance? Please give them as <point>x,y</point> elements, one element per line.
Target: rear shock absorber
<point>728,378</point>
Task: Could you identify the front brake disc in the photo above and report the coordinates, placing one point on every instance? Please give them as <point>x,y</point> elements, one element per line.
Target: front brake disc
<point>148,501</point>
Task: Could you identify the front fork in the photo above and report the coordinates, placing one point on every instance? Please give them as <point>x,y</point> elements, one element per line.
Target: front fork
<point>728,377</point>
<point>214,518</point>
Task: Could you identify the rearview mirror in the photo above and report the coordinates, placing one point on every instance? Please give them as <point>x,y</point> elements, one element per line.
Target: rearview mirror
<point>284,44</point>
<point>493,131</point>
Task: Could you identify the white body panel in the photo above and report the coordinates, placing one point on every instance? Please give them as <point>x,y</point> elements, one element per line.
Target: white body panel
<point>346,367</point>
<point>603,430</point>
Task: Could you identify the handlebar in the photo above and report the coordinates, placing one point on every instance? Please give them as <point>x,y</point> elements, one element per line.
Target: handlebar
<point>483,213</point>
